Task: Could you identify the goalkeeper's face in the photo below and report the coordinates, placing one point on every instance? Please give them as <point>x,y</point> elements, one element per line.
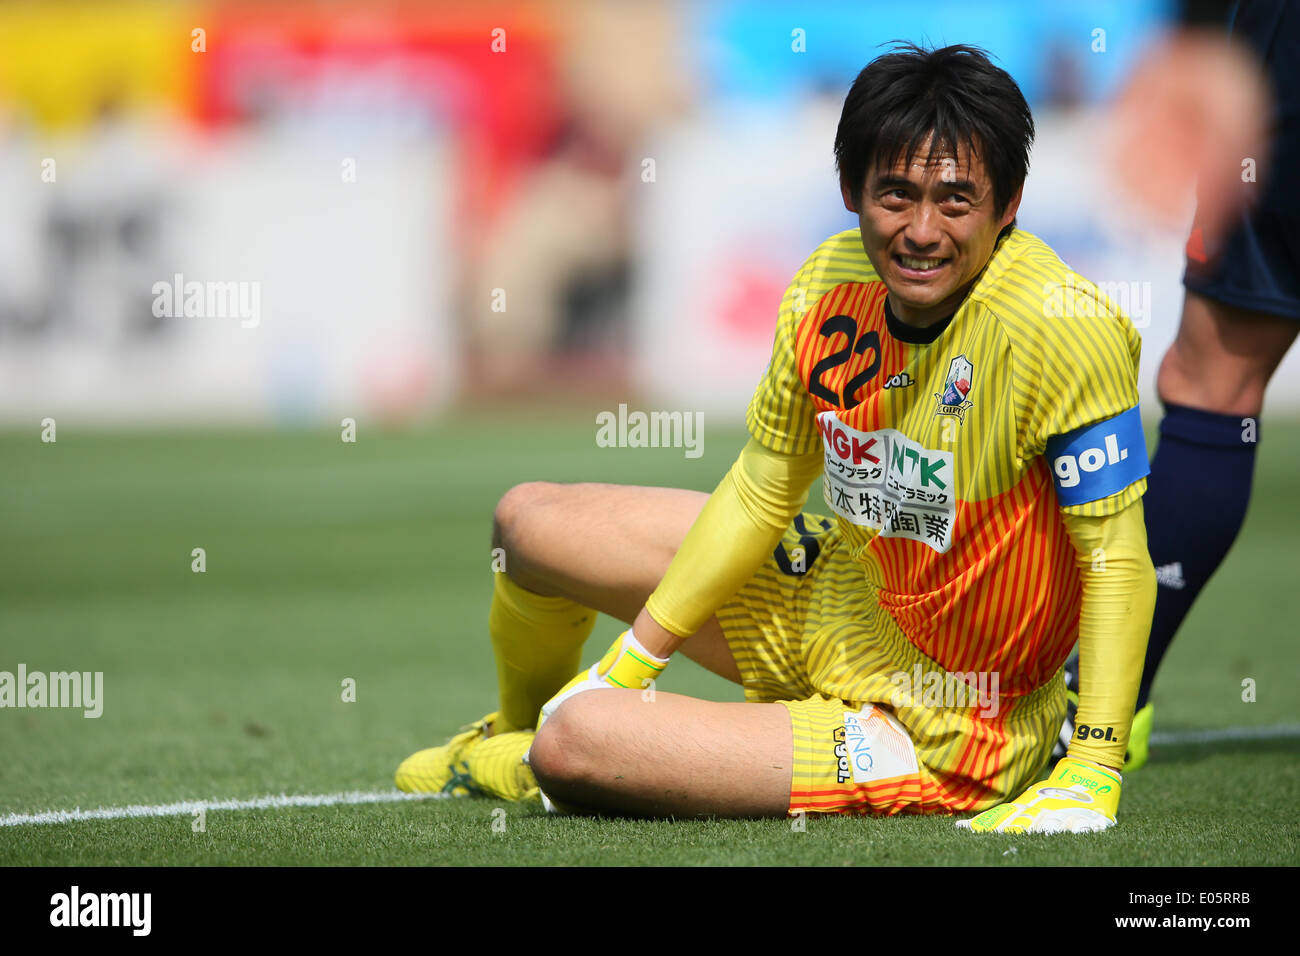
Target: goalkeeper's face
<point>929,227</point>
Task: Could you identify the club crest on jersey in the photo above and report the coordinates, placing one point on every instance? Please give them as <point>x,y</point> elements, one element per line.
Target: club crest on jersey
<point>953,399</point>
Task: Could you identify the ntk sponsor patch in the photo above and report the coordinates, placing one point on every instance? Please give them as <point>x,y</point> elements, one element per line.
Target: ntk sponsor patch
<point>884,480</point>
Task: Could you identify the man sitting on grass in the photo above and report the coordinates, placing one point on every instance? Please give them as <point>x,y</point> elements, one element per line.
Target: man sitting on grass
<point>971,405</point>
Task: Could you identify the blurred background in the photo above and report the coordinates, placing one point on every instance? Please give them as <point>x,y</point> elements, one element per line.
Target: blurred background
<point>418,206</point>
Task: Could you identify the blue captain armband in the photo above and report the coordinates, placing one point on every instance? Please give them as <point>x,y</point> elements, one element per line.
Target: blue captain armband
<point>1098,460</point>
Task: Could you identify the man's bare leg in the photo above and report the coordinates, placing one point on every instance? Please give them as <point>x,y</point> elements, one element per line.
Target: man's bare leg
<point>601,547</point>
<point>616,751</point>
<point>604,546</point>
<point>607,547</point>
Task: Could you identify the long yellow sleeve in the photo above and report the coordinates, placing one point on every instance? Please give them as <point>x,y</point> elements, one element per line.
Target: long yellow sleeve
<point>1119,597</point>
<point>740,525</point>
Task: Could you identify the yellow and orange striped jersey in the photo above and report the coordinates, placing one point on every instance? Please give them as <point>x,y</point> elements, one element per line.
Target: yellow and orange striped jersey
<point>935,450</point>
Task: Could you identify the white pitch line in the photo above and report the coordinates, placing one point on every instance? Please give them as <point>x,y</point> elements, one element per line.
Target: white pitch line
<point>189,807</point>
<point>1176,738</point>
<point>356,797</point>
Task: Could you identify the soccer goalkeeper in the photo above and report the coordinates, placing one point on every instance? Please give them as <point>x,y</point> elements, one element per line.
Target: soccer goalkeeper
<point>971,406</point>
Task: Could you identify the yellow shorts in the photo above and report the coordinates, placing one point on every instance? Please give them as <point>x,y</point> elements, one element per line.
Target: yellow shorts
<point>879,727</point>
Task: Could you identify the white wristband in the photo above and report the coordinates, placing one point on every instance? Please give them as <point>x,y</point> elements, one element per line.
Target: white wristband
<point>631,641</point>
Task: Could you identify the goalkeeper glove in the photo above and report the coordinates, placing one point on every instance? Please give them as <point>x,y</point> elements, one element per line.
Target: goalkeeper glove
<point>1078,797</point>
<point>625,664</point>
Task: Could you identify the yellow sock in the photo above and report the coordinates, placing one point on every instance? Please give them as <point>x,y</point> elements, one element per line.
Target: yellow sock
<point>538,643</point>
<point>497,765</point>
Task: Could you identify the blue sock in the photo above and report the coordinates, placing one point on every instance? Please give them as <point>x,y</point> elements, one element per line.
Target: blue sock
<point>1195,503</point>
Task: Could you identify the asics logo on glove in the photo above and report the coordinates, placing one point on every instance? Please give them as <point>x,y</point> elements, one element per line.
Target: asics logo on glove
<point>1086,803</point>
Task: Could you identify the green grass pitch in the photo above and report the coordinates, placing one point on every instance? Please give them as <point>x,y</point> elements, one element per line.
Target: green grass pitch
<point>370,561</point>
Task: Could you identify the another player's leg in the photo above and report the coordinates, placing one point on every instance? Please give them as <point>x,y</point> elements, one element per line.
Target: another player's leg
<point>1212,383</point>
<point>666,755</point>
<point>569,551</point>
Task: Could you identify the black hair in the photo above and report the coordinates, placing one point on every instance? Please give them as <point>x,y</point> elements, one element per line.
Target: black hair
<point>954,93</point>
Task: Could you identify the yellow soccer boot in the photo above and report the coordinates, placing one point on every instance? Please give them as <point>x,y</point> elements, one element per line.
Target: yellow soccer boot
<point>443,769</point>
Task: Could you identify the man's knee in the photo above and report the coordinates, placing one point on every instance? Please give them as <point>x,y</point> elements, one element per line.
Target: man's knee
<point>512,511</point>
<point>565,750</point>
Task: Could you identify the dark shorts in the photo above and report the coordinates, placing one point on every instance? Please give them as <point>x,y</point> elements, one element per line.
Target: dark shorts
<point>1257,265</point>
